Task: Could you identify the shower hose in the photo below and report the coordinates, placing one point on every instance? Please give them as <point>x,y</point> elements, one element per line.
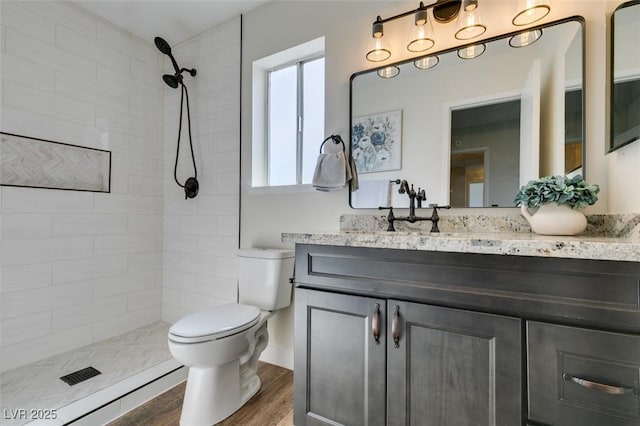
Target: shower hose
<point>191,184</point>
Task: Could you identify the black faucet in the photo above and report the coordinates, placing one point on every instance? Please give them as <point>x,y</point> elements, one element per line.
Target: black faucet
<point>414,195</point>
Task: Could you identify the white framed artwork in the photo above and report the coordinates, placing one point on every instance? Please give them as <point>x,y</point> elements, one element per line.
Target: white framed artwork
<point>376,141</point>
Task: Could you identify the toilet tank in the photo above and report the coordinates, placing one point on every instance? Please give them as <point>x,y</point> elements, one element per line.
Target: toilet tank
<point>263,277</point>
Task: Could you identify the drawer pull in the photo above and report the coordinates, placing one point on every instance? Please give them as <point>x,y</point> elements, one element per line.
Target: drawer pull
<point>395,326</point>
<point>375,323</point>
<point>600,387</point>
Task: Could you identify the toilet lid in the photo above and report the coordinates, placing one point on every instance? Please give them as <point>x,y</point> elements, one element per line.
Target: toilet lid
<point>215,323</point>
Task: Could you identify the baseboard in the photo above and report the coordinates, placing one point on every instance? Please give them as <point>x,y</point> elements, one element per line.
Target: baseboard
<point>278,355</point>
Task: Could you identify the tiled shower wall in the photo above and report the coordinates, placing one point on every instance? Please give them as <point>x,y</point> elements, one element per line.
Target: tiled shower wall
<point>78,267</point>
<point>201,234</point>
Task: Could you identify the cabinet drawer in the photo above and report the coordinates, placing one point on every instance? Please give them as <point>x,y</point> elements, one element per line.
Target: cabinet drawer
<point>581,377</point>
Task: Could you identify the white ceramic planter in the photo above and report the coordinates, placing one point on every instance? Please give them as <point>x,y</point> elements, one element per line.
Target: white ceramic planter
<point>554,219</point>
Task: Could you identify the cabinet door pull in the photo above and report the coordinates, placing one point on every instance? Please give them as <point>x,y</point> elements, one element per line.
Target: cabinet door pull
<point>375,323</point>
<point>395,326</point>
<point>600,387</point>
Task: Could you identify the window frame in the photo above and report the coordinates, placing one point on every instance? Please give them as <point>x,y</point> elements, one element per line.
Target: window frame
<point>299,64</point>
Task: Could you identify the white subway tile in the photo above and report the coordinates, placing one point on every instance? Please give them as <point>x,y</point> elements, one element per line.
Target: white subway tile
<point>97,310</point>
<point>127,43</point>
<point>22,121</point>
<point>78,134</point>
<point>183,281</point>
<point>191,224</point>
<point>224,35</point>
<point>33,200</point>
<point>127,322</point>
<point>112,286</point>
<point>52,105</point>
<point>91,92</point>
<point>218,245</point>
<point>200,264</point>
<point>142,299</point>
<point>43,347</point>
<point>24,20</point>
<point>228,225</point>
<point>86,269</point>
<point>25,225</point>
<point>67,14</point>
<point>227,267</point>
<point>223,204</point>
<point>143,185</point>
<point>44,299</point>
<point>120,79</point>
<point>144,262</point>
<point>25,277</point>
<point>28,47</point>
<point>27,72</point>
<point>145,223</point>
<point>20,329</point>
<point>37,250</point>
<point>143,71</point>
<point>227,184</point>
<point>126,243</point>
<point>88,48</point>
<point>83,224</point>
<point>127,204</point>
<point>178,242</point>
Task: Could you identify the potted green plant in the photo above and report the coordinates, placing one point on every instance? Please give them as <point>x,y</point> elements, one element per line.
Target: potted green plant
<point>557,199</point>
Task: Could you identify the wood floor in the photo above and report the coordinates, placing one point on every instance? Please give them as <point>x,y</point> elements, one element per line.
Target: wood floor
<point>271,406</point>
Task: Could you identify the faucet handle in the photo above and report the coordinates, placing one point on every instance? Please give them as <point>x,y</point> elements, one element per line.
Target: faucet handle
<point>422,195</point>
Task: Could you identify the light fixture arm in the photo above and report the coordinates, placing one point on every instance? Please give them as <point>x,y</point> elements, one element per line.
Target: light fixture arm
<point>443,11</point>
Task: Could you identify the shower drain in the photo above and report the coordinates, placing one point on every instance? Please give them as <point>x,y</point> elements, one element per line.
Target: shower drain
<point>79,376</point>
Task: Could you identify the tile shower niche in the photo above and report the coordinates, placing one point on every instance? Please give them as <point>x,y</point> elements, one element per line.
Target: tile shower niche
<point>39,163</point>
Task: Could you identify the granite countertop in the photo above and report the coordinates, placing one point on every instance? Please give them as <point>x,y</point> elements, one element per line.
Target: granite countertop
<point>607,238</point>
<point>504,243</point>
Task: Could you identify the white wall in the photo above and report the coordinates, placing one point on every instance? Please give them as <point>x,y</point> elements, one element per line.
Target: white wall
<point>347,26</point>
<point>77,267</point>
<point>201,234</point>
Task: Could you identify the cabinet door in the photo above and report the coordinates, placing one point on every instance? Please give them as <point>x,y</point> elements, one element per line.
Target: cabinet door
<point>339,375</point>
<point>449,367</point>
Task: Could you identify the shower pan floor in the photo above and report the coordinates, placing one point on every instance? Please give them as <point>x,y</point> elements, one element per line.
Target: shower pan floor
<point>126,363</point>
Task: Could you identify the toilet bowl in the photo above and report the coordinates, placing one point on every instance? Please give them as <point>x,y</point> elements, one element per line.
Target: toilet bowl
<point>221,346</point>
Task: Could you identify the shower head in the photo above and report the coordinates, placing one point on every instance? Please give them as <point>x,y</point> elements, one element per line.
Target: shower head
<point>172,80</point>
<point>164,47</point>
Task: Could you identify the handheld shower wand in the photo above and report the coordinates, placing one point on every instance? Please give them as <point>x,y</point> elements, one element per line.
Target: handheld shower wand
<point>191,185</point>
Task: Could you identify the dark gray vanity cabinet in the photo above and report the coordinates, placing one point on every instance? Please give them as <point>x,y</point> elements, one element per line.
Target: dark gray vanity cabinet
<point>452,367</point>
<point>340,368</point>
<point>401,337</point>
<point>433,366</point>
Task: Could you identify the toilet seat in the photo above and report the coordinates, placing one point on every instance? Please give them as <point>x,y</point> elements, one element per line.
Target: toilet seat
<point>216,323</point>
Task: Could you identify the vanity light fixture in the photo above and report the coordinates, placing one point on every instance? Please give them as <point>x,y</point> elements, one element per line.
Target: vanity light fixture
<point>421,35</point>
<point>378,50</point>
<point>525,38</point>
<point>426,63</point>
<point>469,23</point>
<point>388,72</point>
<point>530,11</point>
<point>472,51</point>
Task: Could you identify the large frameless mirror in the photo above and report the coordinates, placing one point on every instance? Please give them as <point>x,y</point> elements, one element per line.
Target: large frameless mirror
<point>470,125</point>
<point>625,74</point>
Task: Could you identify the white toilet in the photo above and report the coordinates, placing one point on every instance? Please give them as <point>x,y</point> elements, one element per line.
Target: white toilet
<point>221,345</point>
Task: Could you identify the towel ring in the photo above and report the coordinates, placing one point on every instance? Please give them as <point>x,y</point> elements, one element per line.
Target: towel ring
<point>336,140</point>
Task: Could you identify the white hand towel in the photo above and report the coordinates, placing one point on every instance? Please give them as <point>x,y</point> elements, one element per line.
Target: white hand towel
<point>330,173</point>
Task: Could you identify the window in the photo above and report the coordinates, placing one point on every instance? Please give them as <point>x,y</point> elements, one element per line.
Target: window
<point>288,130</point>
